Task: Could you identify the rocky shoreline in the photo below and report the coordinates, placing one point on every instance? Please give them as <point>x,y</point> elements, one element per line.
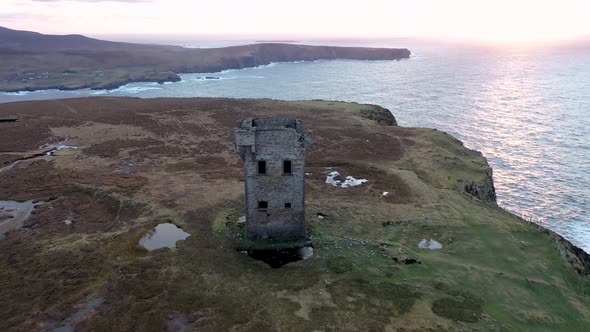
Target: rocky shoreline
<point>32,61</point>
<point>576,256</point>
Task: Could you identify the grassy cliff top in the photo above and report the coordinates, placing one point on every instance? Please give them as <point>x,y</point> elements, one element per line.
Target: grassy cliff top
<point>145,162</point>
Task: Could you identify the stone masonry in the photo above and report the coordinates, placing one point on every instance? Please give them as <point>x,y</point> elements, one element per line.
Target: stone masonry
<point>273,151</point>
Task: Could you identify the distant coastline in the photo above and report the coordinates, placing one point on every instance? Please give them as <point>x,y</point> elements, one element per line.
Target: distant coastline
<point>277,41</point>
<point>33,61</point>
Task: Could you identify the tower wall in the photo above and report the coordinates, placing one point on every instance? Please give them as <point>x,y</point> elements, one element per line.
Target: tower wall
<point>273,141</point>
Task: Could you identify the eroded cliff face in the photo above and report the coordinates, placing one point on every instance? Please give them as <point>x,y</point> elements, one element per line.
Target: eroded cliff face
<point>382,116</point>
<point>577,257</point>
<point>483,190</point>
<point>407,249</point>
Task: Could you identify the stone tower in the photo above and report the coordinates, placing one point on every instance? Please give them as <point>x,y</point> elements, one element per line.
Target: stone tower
<point>273,151</point>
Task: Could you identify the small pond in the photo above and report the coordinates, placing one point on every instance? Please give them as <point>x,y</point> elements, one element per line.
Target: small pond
<point>163,236</point>
<point>14,214</point>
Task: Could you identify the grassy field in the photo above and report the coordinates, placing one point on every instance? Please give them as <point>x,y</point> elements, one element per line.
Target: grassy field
<point>146,162</point>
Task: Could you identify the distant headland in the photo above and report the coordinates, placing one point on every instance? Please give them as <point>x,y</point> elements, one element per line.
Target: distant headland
<point>33,61</point>
<point>288,41</point>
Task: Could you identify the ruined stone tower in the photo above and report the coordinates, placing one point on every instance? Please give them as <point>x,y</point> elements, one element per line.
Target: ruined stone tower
<point>273,151</point>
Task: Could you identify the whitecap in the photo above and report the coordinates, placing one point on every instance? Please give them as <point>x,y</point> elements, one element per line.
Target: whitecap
<point>16,93</point>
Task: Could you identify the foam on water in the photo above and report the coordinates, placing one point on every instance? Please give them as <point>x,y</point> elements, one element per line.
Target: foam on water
<point>18,93</point>
<point>135,88</point>
<point>272,64</point>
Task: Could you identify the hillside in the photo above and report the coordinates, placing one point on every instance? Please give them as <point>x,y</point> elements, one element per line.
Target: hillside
<point>99,174</point>
<point>34,42</point>
<point>33,61</point>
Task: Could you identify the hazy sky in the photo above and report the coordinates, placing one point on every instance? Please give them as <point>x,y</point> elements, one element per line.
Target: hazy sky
<point>482,20</point>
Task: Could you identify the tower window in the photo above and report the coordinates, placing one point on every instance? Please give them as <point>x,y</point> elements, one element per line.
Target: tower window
<point>287,166</point>
<point>287,205</point>
<point>262,205</point>
<point>261,167</point>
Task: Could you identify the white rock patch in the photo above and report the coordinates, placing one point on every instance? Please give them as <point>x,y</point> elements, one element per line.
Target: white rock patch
<point>331,179</point>
<point>429,244</point>
<point>351,182</point>
<point>55,148</point>
<point>348,182</point>
<point>305,252</point>
<point>242,220</point>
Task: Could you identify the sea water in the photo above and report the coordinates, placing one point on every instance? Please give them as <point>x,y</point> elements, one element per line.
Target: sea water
<point>527,110</point>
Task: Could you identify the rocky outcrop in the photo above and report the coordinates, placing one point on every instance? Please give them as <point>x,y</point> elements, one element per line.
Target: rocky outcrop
<point>382,116</point>
<point>483,190</point>
<point>576,256</point>
<point>167,77</point>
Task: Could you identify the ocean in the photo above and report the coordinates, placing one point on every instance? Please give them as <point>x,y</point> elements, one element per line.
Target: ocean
<point>526,109</point>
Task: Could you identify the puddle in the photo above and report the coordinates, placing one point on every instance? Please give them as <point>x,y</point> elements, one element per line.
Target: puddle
<point>429,244</point>
<point>279,258</point>
<point>14,214</point>
<point>349,181</point>
<point>163,236</point>
<point>70,323</point>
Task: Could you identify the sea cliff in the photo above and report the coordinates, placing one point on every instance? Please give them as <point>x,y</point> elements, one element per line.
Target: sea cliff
<point>32,61</point>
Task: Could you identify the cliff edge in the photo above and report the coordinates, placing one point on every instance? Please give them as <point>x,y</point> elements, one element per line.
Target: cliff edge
<point>419,246</point>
